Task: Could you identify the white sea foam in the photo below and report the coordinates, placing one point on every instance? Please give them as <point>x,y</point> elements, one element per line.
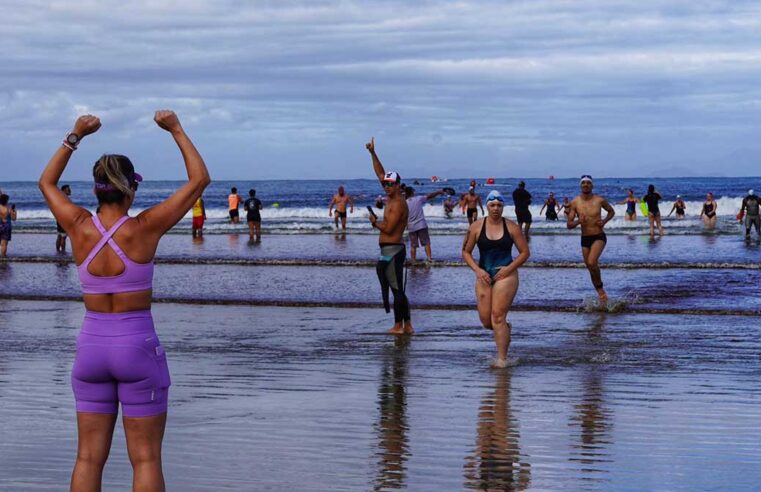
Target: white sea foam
<point>316,219</point>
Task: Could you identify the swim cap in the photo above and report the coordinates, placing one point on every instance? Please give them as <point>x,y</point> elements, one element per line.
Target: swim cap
<point>585,177</point>
<point>750,192</point>
<point>392,177</point>
<point>494,195</point>
<point>679,196</point>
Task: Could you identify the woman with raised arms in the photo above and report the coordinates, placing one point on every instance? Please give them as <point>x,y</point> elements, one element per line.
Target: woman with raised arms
<point>119,358</point>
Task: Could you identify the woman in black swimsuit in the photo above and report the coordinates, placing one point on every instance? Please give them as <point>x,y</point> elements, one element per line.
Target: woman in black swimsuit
<point>496,270</point>
<point>708,214</point>
<point>679,207</point>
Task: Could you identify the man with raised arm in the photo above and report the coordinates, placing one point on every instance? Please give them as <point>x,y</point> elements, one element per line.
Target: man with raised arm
<point>390,267</point>
<point>417,226</point>
<point>586,211</point>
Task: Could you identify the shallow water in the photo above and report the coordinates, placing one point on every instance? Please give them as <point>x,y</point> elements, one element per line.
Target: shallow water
<point>269,398</point>
<point>674,290</point>
<point>621,249</point>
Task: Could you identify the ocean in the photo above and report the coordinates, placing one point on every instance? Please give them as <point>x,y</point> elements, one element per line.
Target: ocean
<point>301,206</point>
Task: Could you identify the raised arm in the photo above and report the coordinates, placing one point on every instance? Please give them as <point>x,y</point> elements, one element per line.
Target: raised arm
<point>377,166</point>
<point>163,216</point>
<point>66,213</point>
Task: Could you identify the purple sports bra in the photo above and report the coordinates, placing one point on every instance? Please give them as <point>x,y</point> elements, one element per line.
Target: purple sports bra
<point>135,277</point>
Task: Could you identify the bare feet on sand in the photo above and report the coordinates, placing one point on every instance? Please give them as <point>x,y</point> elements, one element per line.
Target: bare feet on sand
<point>402,329</point>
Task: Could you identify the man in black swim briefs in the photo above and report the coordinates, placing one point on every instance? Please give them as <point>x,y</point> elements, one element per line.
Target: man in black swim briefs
<point>586,211</point>
<point>470,201</point>
<point>390,266</point>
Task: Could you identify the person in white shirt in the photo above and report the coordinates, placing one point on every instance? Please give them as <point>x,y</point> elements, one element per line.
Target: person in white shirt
<point>417,227</point>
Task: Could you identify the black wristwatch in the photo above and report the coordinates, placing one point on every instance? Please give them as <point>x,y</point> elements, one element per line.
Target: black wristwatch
<point>71,140</point>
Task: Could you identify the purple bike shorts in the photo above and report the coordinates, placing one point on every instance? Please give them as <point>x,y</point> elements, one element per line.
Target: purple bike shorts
<point>120,359</point>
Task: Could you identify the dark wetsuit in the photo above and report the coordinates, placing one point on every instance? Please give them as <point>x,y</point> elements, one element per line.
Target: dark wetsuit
<point>522,199</point>
<point>652,200</point>
<point>390,270</point>
<point>679,209</point>
<point>494,253</point>
<point>752,205</point>
<point>551,213</point>
<point>708,210</point>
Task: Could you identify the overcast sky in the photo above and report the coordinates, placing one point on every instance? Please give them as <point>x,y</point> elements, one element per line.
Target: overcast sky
<point>293,89</point>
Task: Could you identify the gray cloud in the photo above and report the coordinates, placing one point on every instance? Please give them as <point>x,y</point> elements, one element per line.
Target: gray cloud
<point>294,88</point>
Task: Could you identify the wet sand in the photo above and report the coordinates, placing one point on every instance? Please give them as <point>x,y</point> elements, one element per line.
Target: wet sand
<point>314,399</point>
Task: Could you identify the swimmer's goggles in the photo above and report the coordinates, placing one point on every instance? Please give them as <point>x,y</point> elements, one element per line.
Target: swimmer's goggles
<point>495,195</point>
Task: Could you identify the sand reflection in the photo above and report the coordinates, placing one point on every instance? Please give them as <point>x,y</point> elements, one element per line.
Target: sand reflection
<point>592,416</point>
<point>392,424</point>
<point>496,462</point>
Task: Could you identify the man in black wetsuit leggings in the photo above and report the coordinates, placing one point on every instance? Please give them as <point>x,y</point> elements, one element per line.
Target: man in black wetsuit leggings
<point>393,253</point>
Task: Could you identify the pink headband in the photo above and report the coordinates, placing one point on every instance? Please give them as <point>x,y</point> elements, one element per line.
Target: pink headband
<point>136,178</point>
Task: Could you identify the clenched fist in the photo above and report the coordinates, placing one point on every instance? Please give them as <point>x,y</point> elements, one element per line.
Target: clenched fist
<point>371,145</point>
<point>85,125</point>
<point>167,120</point>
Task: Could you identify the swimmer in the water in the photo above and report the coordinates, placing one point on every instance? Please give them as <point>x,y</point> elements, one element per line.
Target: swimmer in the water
<point>750,207</point>
<point>565,206</point>
<point>653,210</point>
<point>522,200</point>
<point>341,200</point>
<point>679,207</point>
<point>7,216</point>
<point>60,241</point>
<point>586,211</point>
<point>449,205</point>
<point>496,271</point>
<point>551,204</point>
<point>708,213</point>
<point>631,202</point>
<point>470,201</point>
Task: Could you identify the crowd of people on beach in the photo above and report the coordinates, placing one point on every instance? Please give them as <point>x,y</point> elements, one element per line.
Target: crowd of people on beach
<point>120,359</point>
